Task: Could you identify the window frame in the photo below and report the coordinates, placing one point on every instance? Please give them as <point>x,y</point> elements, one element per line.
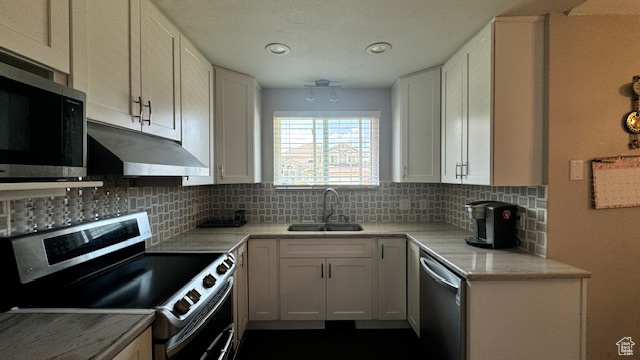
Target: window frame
<point>326,114</point>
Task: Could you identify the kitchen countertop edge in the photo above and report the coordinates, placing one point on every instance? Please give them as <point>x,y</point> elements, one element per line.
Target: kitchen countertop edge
<point>437,239</point>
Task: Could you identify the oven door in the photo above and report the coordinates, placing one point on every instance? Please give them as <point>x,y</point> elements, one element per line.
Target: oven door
<point>209,336</point>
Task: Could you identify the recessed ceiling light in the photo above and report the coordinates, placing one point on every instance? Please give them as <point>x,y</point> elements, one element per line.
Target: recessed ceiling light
<point>378,48</point>
<point>277,49</point>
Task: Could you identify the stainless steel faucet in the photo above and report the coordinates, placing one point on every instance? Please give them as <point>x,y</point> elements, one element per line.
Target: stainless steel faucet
<point>326,214</point>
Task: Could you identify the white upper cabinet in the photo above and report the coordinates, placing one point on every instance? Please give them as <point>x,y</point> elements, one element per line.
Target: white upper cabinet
<point>126,57</point>
<point>416,128</point>
<point>237,128</point>
<point>196,75</point>
<point>37,30</point>
<point>159,73</point>
<point>492,106</point>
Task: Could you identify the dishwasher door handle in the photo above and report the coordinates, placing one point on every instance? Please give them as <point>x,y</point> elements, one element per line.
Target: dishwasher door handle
<point>439,279</point>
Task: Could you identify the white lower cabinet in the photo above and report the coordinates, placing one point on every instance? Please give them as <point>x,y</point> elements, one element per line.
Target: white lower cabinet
<point>262,256</point>
<point>240,293</point>
<point>316,287</point>
<point>413,286</point>
<point>392,278</point>
<point>138,349</point>
<point>303,289</point>
<point>527,320</point>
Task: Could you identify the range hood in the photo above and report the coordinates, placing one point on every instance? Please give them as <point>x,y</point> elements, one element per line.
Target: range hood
<point>113,151</point>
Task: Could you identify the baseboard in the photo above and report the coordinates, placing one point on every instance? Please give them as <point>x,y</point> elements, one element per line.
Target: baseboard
<point>285,325</point>
<point>382,324</point>
<point>319,324</point>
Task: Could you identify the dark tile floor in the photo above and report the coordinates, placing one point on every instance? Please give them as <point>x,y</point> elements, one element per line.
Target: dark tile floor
<point>335,343</point>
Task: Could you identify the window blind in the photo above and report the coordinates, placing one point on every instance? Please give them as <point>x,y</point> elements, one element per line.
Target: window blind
<point>326,151</point>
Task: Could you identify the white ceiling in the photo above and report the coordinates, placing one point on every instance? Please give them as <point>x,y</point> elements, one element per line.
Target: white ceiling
<point>328,38</point>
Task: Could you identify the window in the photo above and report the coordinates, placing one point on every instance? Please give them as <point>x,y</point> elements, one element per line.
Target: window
<point>326,149</point>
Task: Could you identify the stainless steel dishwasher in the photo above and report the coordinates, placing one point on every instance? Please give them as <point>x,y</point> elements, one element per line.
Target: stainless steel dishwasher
<point>442,310</point>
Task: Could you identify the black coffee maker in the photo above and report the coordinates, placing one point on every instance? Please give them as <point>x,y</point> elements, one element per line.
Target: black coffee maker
<point>494,224</point>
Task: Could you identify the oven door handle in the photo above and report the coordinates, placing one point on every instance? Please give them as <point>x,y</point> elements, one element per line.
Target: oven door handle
<point>227,346</point>
<point>174,346</point>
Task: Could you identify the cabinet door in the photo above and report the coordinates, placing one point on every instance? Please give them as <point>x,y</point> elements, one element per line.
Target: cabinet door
<point>138,349</point>
<point>237,144</point>
<point>392,268</point>
<point>196,76</point>
<point>397,163</point>
<point>106,59</point>
<point>302,289</point>
<point>240,294</point>
<point>263,279</point>
<point>476,130</point>
<point>529,313</point>
<point>413,286</point>
<point>419,99</point>
<point>451,156</point>
<point>37,30</point>
<point>349,289</point>
<point>159,73</point>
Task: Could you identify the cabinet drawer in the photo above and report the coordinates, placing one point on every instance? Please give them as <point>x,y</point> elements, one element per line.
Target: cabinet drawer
<point>321,248</point>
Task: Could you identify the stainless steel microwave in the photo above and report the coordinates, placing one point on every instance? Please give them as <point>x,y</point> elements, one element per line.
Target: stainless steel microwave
<point>43,127</point>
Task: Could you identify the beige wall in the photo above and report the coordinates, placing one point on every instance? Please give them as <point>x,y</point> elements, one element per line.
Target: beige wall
<point>592,60</point>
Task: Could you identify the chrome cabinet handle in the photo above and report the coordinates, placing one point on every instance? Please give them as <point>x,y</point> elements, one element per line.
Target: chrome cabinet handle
<point>464,169</point>
<point>222,171</point>
<point>404,171</point>
<point>150,112</point>
<point>139,116</point>
<point>458,166</point>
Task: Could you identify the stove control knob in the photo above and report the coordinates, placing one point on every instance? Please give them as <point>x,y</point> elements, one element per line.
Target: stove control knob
<point>222,269</point>
<point>208,281</point>
<point>229,263</point>
<point>194,296</point>
<point>182,306</point>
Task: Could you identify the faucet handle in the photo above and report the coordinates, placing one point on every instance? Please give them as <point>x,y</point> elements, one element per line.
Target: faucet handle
<point>344,217</point>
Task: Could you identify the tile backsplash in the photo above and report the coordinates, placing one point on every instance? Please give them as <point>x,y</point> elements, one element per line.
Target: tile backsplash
<point>173,209</point>
<point>388,203</point>
<point>532,207</point>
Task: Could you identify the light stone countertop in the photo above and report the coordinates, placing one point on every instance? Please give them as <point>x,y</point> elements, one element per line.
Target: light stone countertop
<point>441,240</point>
<point>69,334</point>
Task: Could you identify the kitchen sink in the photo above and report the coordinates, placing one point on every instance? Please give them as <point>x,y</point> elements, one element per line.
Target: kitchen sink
<point>325,227</point>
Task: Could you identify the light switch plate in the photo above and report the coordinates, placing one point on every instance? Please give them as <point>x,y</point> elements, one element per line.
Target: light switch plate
<point>576,170</point>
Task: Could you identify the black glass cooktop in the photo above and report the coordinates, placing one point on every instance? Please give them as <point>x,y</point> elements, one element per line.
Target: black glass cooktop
<point>140,283</point>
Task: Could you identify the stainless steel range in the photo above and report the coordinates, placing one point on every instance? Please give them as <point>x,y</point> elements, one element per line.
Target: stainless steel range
<point>103,265</point>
